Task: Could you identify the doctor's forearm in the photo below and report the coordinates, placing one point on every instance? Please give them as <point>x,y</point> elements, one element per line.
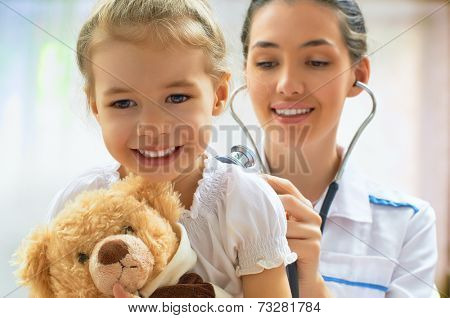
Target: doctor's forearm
<point>314,287</point>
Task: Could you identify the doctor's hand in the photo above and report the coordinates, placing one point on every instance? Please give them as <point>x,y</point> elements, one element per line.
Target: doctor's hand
<point>303,234</point>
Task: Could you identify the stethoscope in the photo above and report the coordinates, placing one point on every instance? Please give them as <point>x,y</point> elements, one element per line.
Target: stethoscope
<point>243,156</point>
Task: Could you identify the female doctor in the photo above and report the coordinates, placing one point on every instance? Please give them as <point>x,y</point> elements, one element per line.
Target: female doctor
<point>302,59</point>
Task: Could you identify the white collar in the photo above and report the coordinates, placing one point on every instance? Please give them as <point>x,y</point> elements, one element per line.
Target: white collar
<point>352,197</point>
<point>183,261</point>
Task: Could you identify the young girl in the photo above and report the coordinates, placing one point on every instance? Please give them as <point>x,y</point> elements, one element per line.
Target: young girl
<point>155,75</point>
<point>306,55</point>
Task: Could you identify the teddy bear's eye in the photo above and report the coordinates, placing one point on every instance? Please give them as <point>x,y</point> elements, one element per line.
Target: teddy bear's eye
<point>128,230</point>
<point>82,258</point>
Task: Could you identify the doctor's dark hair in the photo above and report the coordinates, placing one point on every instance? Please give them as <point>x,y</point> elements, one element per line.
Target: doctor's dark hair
<point>352,24</point>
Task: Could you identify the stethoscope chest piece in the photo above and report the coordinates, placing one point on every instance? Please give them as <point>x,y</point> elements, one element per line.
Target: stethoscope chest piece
<point>239,155</point>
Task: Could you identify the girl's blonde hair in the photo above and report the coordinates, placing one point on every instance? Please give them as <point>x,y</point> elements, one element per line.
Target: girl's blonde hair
<point>185,22</point>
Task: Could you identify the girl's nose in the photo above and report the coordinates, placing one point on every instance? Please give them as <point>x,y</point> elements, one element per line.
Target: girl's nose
<point>152,135</point>
<point>290,83</point>
<point>154,120</point>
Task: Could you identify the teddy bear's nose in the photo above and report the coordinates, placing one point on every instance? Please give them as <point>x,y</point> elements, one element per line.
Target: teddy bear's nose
<point>111,252</point>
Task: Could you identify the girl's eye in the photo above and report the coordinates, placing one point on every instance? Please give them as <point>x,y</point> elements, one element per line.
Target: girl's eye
<point>177,99</point>
<point>128,230</point>
<point>266,64</point>
<point>123,104</point>
<point>82,258</point>
<point>318,64</point>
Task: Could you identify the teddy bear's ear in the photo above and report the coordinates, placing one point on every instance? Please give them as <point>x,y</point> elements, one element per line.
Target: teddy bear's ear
<point>161,196</point>
<point>34,264</point>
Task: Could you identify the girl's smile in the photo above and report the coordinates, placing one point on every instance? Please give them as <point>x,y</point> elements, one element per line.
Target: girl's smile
<point>154,159</point>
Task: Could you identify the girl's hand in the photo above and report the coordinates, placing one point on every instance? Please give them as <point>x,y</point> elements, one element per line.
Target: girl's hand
<point>303,234</point>
<point>119,292</point>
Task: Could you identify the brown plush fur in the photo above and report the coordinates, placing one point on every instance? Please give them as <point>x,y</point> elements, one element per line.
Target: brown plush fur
<point>49,257</point>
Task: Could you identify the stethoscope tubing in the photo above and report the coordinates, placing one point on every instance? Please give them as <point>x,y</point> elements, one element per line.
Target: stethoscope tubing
<point>244,128</point>
<point>291,269</point>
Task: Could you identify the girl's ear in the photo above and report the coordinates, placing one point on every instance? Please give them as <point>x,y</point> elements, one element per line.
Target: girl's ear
<point>361,73</point>
<point>35,265</point>
<point>221,94</point>
<point>93,106</point>
<point>91,102</point>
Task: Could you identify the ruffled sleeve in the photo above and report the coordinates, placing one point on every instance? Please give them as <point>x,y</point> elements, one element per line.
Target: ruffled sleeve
<point>254,225</point>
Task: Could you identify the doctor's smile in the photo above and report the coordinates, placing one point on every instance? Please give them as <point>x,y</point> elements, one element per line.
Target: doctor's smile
<point>291,112</point>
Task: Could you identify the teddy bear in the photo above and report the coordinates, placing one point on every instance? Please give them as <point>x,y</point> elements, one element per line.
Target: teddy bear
<point>127,234</point>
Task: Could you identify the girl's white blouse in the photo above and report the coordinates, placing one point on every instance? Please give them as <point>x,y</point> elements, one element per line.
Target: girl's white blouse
<point>236,224</point>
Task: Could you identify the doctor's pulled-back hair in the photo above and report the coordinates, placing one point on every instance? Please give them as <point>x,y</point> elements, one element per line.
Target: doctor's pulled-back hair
<point>168,22</point>
<point>352,24</point>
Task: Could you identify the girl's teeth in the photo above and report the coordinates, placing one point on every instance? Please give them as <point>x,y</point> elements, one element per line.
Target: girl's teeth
<point>293,112</point>
<point>157,154</point>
